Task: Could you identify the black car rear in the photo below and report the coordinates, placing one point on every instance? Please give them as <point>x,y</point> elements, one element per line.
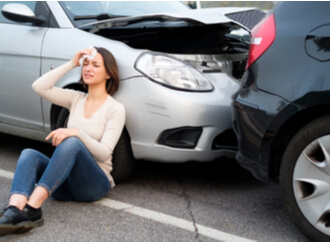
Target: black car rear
<point>281,111</point>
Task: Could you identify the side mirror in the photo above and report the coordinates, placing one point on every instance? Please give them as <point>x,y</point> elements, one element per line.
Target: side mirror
<point>21,13</point>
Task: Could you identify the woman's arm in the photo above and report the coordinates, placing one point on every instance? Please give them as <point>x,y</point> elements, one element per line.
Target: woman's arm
<point>44,85</point>
<point>58,135</point>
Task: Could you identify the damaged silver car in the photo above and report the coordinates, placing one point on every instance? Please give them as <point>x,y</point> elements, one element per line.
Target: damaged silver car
<point>178,69</point>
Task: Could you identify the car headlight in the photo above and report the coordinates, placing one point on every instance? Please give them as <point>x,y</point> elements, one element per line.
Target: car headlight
<point>171,72</point>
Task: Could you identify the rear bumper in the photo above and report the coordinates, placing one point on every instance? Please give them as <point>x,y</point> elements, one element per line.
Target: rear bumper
<point>259,172</point>
<point>256,121</point>
<point>249,140</point>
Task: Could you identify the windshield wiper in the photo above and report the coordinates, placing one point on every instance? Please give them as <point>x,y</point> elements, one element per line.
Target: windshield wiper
<point>102,16</point>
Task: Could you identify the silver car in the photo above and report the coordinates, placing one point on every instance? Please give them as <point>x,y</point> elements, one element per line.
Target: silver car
<point>178,68</point>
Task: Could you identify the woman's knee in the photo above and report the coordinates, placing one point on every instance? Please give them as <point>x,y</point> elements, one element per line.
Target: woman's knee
<point>71,142</point>
<point>31,158</point>
<point>70,146</point>
<point>28,152</point>
<point>28,155</point>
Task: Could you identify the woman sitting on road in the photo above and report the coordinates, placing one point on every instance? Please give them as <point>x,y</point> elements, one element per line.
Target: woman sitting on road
<point>79,169</point>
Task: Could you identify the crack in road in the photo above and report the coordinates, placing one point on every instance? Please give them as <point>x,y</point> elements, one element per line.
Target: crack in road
<point>186,196</point>
<point>188,199</point>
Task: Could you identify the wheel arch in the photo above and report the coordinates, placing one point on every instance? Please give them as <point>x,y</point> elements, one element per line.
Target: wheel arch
<point>55,110</point>
<point>287,130</point>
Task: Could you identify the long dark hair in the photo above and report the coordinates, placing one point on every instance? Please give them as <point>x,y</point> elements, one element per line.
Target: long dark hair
<point>110,64</point>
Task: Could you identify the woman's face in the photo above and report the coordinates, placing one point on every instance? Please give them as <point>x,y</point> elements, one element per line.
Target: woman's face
<point>94,72</point>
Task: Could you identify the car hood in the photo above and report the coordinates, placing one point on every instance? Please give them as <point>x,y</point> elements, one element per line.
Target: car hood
<point>205,31</point>
<point>249,17</point>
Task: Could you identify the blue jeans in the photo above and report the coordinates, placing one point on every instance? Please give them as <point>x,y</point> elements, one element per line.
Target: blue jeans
<point>71,174</point>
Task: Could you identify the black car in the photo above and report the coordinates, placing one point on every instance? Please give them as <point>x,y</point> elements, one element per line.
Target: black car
<point>281,112</point>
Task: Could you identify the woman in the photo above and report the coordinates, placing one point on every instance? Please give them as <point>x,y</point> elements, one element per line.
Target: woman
<point>79,169</point>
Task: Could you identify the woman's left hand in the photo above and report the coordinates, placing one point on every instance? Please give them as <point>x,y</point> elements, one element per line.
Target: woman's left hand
<point>61,134</point>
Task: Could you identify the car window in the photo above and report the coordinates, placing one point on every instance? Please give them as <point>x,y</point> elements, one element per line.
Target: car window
<point>130,8</point>
<point>118,8</point>
<point>3,19</point>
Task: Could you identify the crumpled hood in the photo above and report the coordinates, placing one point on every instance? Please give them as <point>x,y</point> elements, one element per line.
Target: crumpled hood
<point>200,16</point>
<point>206,31</point>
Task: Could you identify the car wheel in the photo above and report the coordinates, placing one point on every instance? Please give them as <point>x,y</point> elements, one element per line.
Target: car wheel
<point>122,160</point>
<point>305,179</point>
<point>62,118</point>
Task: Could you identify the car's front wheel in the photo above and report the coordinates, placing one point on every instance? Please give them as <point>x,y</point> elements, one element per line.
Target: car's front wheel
<point>305,179</point>
<point>123,161</point>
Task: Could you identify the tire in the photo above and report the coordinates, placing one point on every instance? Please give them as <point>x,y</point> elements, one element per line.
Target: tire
<point>123,161</point>
<point>62,118</point>
<point>305,179</point>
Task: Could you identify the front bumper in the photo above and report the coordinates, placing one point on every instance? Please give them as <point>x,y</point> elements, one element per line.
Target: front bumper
<point>153,110</point>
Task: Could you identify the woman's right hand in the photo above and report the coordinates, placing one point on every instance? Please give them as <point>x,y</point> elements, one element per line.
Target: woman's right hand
<point>61,134</point>
<point>80,53</point>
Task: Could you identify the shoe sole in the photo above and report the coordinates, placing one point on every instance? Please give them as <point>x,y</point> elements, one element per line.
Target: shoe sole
<point>20,227</point>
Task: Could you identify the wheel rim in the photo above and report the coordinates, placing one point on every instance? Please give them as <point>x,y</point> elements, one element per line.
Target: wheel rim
<point>311,183</point>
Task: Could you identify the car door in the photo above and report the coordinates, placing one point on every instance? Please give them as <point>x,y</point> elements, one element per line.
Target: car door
<point>20,63</point>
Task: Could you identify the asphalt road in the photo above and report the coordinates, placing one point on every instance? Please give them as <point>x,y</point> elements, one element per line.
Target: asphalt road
<point>216,201</point>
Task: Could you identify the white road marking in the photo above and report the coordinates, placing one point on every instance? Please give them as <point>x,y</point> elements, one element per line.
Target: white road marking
<point>170,220</point>
<point>160,217</point>
<point>6,174</point>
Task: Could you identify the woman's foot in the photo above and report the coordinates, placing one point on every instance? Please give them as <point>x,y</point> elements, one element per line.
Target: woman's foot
<point>16,221</point>
<point>2,211</point>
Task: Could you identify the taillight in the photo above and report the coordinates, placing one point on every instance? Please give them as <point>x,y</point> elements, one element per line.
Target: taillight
<point>263,35</point>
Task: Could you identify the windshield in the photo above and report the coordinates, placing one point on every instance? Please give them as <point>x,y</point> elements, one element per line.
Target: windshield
<point>82,12</point>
